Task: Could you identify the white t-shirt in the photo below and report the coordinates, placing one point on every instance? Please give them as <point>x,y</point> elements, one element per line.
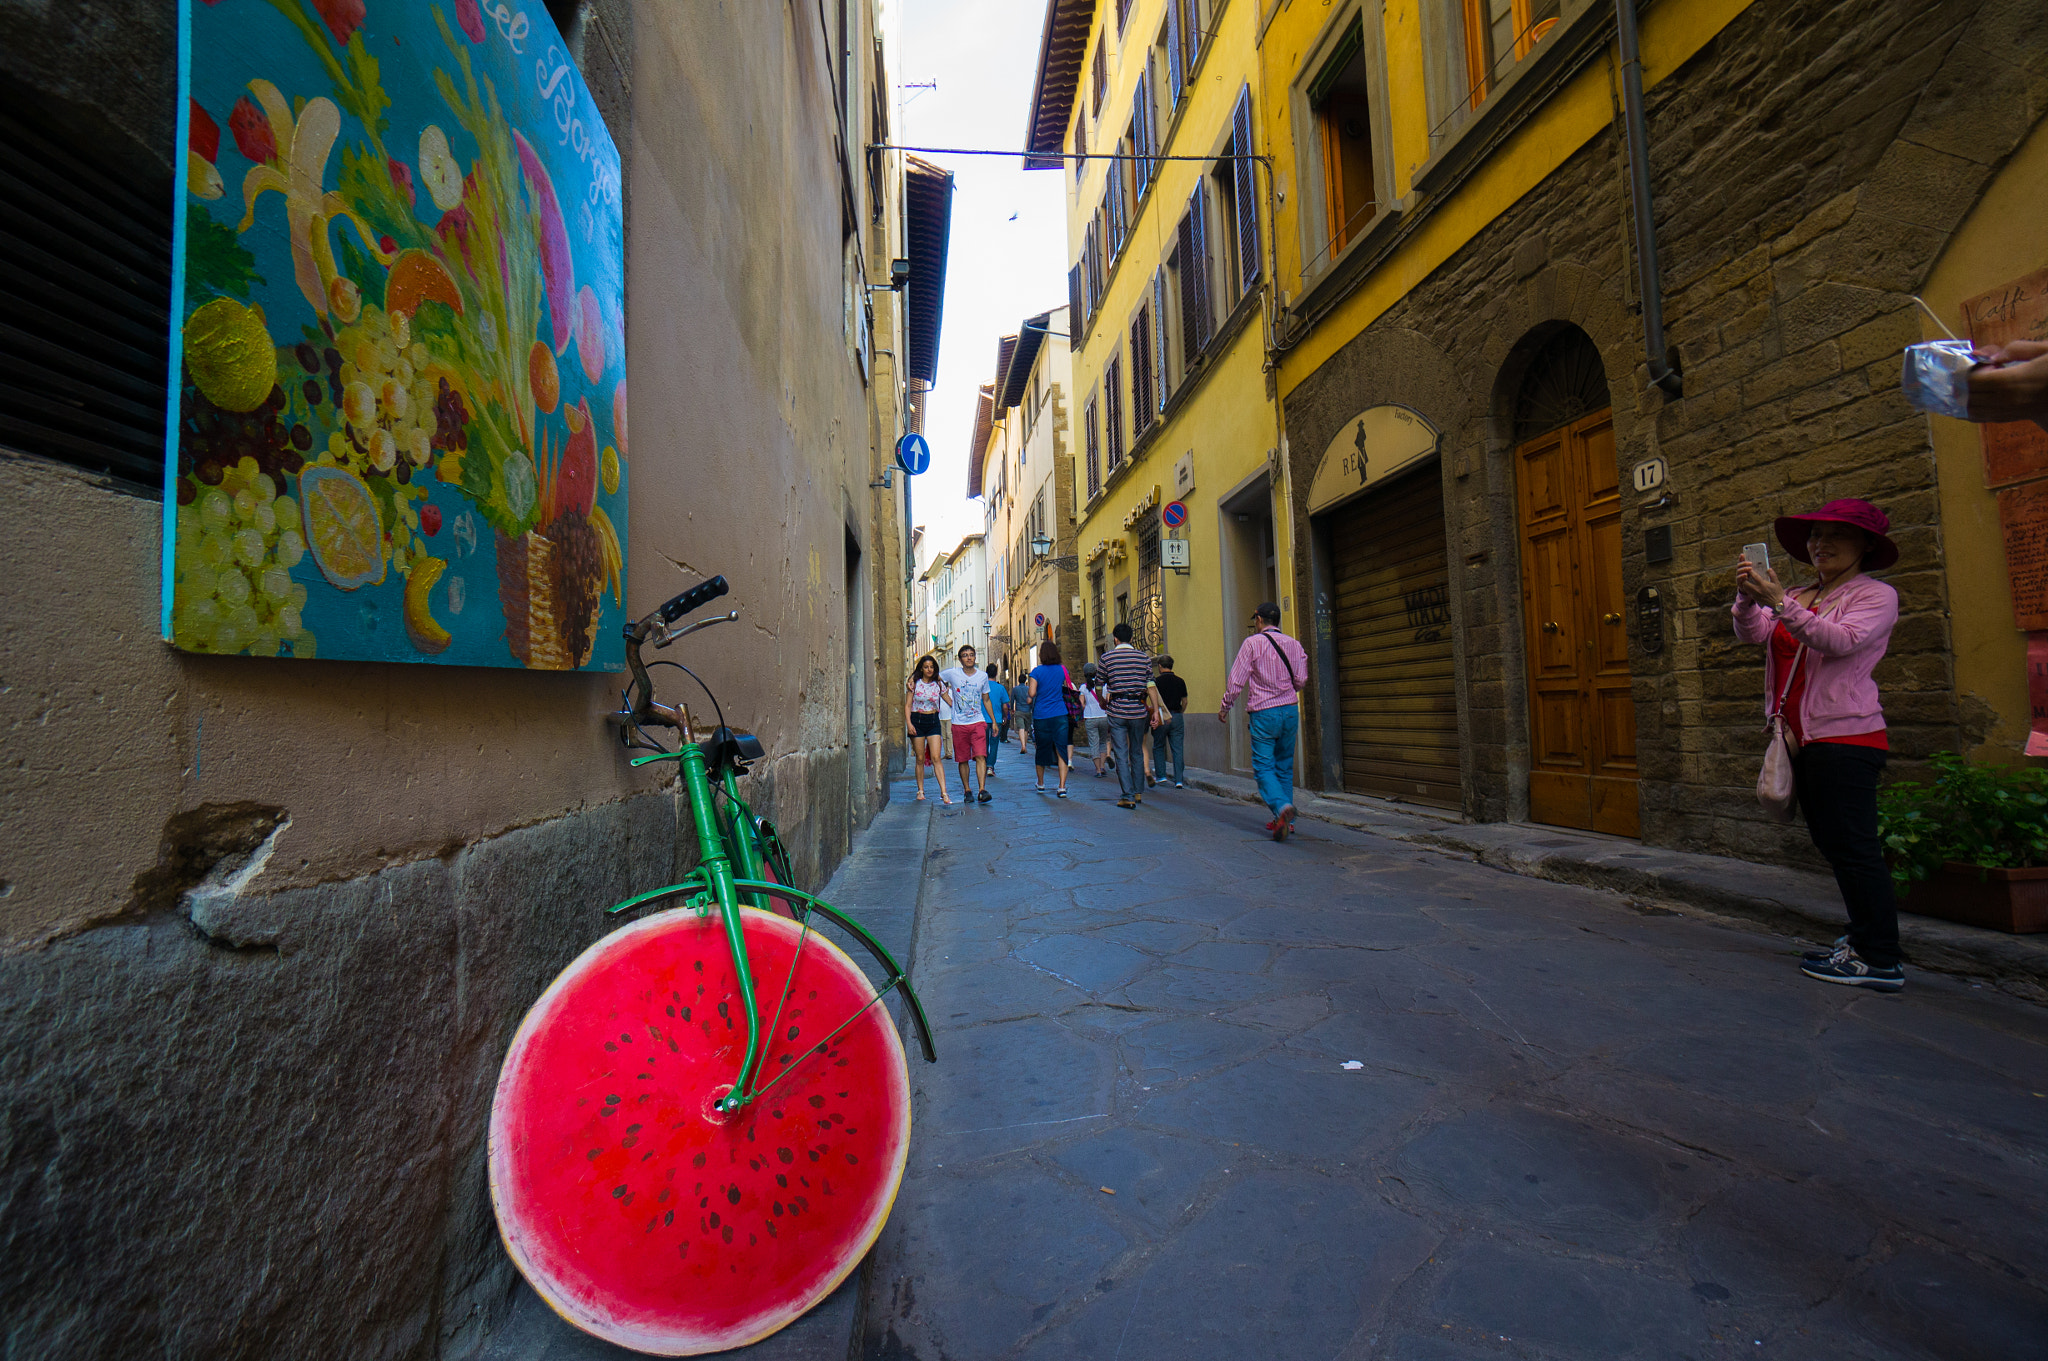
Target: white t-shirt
<point>1090,706</point>
<point>969,690</point>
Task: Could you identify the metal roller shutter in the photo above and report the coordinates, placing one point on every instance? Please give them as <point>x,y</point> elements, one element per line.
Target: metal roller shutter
<point>1392,620</point>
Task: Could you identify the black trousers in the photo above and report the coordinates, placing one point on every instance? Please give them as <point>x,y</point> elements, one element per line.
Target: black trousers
<point>1837,788</point>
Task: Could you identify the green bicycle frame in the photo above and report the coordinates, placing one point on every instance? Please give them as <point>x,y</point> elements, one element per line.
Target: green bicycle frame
<point>716,871</point>
<point>714,880</point>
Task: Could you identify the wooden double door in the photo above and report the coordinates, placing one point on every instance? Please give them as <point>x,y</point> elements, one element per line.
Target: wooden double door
<point>1582,718</point>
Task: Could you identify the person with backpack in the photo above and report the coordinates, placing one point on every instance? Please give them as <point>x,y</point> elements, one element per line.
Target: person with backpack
<point>1126,676</point>
<point>1271,669</point>
<point>999,706</point>
<point>1094,717</point>
<point>1047,688</point>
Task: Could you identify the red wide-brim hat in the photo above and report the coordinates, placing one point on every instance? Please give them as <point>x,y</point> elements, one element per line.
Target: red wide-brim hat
<point>1793,529</point>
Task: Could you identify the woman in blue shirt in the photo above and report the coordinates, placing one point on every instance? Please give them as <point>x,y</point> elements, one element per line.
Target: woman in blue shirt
<point>1049,723</point>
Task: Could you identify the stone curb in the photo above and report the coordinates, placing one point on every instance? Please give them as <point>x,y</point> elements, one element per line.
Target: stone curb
<point>1799,903</point>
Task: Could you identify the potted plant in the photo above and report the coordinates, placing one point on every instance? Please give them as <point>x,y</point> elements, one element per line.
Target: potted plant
<point>1971,845</point>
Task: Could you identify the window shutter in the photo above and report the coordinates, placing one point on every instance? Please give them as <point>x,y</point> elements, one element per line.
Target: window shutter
<point>1094,453</point>
<point>1197,264</point>
<point>1159,335</point>
<point>85,308</point>
<point>1146,140</point>
<point>1074,293</point>
<point>1191,25</point>
<point>1113,205</point>
<point>1113,411</point>
<point>1174,70</point>
<point>1142,406</point>
<point>1246,193</point>
<point>1185,252</point>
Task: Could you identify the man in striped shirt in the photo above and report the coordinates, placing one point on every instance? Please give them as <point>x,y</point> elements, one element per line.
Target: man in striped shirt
<point>1125,675</point>
<point>1270,668</point>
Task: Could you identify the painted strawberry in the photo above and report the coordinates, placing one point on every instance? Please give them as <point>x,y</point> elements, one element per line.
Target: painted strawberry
<point>205,136</point>
<point>430,520</point>
<point>343,17</point>
<point>471,19</point>
<point>254,137</point>
<point>401,176</point>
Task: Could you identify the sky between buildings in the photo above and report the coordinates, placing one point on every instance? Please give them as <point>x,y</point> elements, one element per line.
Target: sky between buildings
<point>1007,259</point>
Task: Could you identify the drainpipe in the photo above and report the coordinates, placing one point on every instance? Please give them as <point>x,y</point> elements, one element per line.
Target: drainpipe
<point>1649,287</point>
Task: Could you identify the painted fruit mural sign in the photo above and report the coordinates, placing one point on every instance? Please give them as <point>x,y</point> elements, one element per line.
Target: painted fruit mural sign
<point>398,415</point>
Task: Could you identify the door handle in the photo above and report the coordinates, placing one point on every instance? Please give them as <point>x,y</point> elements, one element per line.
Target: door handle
<point>1610,619</point>
<point>1550,627</point>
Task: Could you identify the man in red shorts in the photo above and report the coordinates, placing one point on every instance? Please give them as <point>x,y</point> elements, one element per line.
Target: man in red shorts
<point>971,722</point>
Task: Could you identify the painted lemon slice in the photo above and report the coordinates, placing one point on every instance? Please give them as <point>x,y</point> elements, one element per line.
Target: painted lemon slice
<point>342,527</point>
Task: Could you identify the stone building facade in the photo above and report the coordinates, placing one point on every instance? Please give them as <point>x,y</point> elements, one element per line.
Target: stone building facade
<point>266,927</point>
<point>1813,164</point>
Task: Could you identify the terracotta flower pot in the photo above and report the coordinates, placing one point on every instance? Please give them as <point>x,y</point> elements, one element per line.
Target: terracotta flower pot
<point>2003,899</point>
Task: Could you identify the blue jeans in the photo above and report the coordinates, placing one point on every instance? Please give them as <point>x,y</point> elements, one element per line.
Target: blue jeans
<point>1127,744</point>
<point>1173,735</point>
<point>1273,734</point>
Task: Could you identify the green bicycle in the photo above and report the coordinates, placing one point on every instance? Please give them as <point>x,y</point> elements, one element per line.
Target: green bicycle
<point>671,1173</point>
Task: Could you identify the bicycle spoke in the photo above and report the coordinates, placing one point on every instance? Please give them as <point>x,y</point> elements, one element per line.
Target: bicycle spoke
<point>823,1044</point>
<point>788,981</point>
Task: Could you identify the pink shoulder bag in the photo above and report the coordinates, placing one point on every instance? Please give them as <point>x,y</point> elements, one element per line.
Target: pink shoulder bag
<point>1776,789</point>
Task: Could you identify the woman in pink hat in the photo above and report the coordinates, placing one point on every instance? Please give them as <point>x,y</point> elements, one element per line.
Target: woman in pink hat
<point>1823,641</point>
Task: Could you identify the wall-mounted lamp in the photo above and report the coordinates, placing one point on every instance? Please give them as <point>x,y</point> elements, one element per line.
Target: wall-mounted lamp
<point>899,275</point>
<point>1040,546</point>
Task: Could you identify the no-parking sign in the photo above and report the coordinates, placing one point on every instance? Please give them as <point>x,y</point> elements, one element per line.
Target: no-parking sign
<point>1174,515</point>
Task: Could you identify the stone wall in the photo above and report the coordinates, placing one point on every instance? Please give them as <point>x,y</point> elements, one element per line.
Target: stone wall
<point>1808,165</point>
<point>266,927</point>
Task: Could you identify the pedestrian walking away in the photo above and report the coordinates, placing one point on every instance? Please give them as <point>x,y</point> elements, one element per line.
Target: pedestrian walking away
<point>1046,688</point>
<point>1094,717</point>
<point>921,716</point>
<point>969,689</point>
<point>1170,737</point>
<point>1822,641</point>
<point>999,715</point>
<point>1270,669</point>
<point>1126,675</point>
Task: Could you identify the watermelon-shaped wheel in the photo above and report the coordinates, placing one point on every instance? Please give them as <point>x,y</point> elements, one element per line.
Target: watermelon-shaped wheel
<point>636,1211</point>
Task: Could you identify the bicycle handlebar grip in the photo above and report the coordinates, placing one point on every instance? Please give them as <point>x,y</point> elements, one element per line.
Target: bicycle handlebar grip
<point>695,598</point>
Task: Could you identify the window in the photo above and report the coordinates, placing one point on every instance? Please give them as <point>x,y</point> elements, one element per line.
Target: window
<point>1095,607</point>
<point>1094,451</point>
<point>1192,268</point>
<point>1123,14</point>
<point>1143,406</point>
<point>1075,301</point>
<point>1098,78</point>
<point>1164,287</point>
<point>1113,411</point>
<point>1339,99</point>
<point>1237,204</point>
<point>1141,140</point>
<point>1499,33</point>
<point>1183,41</point>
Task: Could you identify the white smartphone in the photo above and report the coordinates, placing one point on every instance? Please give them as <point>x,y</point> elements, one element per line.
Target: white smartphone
<point>1758,555</point>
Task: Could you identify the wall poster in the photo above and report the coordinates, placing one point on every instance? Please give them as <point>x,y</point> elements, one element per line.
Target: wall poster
<point>398,375</point>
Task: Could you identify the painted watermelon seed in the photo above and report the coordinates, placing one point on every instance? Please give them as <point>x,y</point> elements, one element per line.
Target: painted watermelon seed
<point>714,1220</point>
<point>671,1011</point>
<point>624,1038</point>
<point>751,1240</point>
<point>771,1229</point>
<point>781,1181</point>
<point>792,1032</point>
<point>594,1152</point>
<point>612,1099</point>
<point>618,1190</point>
<point>726,1233</point>
<point>668,1219</point>
<point>733,1195</point>
<point>683,1249</point>
<point>817,1103</point>
<point>629,1141</point>
<point>610,1048</point>
<point>697,1161</point>
<point>851,1159</point>
<point>785,1155</point>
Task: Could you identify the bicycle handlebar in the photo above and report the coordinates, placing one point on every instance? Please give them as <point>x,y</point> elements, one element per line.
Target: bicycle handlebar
<point>655,626</point>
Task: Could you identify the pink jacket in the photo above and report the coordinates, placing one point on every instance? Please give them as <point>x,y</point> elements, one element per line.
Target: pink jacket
<point>1841,650</point>
<point>1262,675</point>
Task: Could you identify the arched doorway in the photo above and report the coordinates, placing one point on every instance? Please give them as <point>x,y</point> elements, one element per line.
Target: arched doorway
<point>1582,718</point>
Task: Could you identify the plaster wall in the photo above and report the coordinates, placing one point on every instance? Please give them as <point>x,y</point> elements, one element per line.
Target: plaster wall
<point>1997,243</point>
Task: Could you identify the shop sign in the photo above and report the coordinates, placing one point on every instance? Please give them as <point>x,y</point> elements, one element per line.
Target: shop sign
<point>1372,446</point>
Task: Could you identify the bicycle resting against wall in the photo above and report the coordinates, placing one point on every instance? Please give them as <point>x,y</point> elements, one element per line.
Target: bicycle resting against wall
<point>670,1173</point>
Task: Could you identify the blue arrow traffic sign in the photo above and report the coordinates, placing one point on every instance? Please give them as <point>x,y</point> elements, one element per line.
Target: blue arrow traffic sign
<point>913,455</point>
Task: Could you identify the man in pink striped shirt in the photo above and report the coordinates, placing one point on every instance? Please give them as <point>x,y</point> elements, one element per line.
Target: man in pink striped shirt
<point>1270,668</point>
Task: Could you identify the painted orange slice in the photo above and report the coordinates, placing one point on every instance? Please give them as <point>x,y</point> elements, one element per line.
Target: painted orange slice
<point>342,526</point>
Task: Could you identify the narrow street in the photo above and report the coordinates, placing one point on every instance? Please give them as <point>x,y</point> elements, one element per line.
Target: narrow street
<point>1200,1095</point>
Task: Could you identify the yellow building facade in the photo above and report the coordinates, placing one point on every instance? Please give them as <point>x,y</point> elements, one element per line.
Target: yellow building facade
<point>1147,110</point>
<point>1550,307</point>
